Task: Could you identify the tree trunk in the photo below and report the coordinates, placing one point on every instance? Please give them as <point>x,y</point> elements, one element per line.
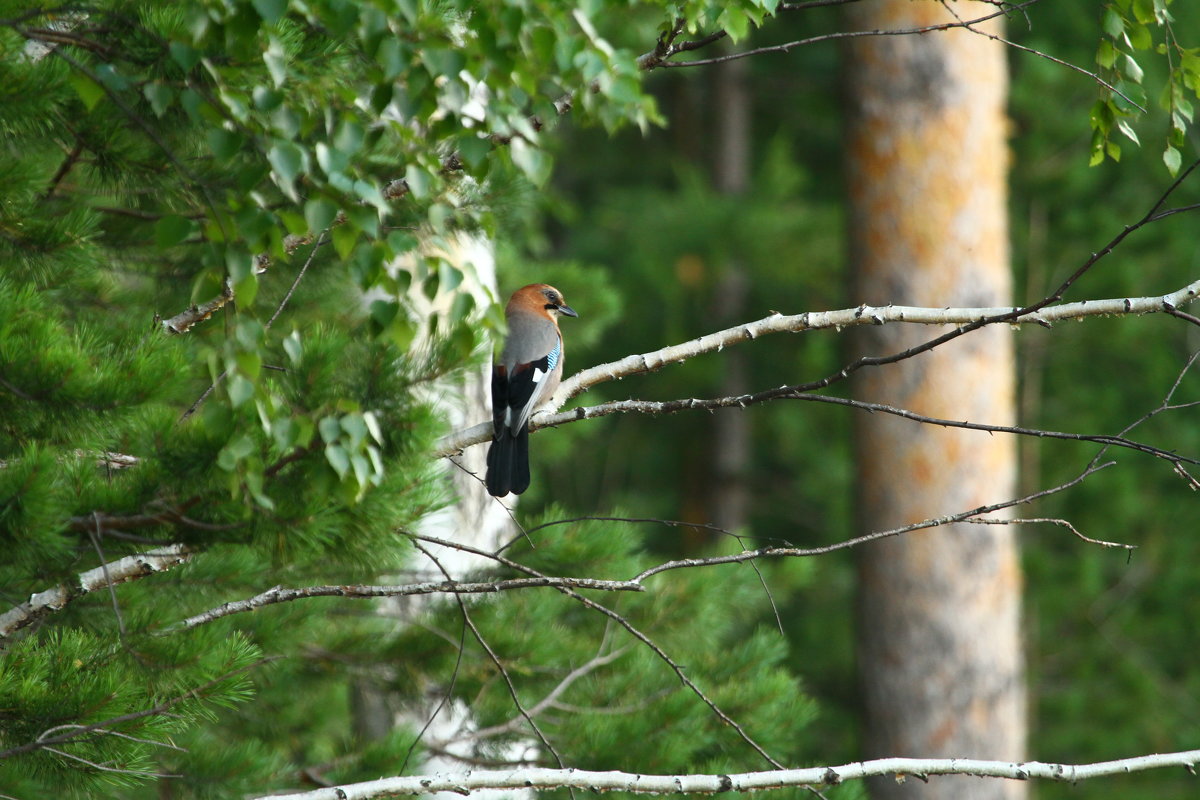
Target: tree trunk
<point>939,610</point>
<point>730,498</point>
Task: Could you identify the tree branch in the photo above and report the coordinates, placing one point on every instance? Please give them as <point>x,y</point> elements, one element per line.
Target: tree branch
<point>628,626</point>
<point>540,779</point>
<point>786,46</point>
<point>279,594</point>
<point>124,569</point>
<point>45,740</point>
<point>813,320</point>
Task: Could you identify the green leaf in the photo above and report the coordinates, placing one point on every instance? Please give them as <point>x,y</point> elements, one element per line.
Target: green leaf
<point>473,149</point>
<point>249,363</point>
<point>330,429</point>
<point>293,347</point>
<point>419,180</point>
<point>108,75</point>
<point>390,57</point>
<point>1139,37</point>
<point>532,161</point>
<point>233,452</point>
<point>270,10</point>
<point>246,289</point>
<point>450,276</point>
<point>88,90</point>
<point>1133,70</point>
<point>736,23</point>
<point>382,312</point>
<point>372,422</point>
<point>241,390</point>
<point>186,57</point>
<point>330,159</point>
<point>284,431</point>
<point>160,97</point>
<point>319,213</point>
<point>225,144</point>
<point>345,237</point>
<point>1172,159</point>
<point>1124,127</point>
<point>276,60</point>
<point>337,457</point>
<point>171,230</point>
<point>442,62</point>
<point>349,137</point>
<point>362,469</point>
<point>287,160</point>
<point>1113,25</point>
<point>355,428</point>
<point>402,242</point>
<point>265,98</point>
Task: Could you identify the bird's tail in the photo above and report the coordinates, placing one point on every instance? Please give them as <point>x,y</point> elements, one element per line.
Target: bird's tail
<point>508,463</point>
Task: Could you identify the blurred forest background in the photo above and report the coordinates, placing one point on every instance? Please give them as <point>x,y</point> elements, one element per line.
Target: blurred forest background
<point>310,462</point>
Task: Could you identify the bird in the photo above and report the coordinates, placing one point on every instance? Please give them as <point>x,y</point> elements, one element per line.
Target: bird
<point>526,375</point>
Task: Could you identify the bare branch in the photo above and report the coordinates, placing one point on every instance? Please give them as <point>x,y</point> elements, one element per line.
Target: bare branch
<point>971,27</point>
<point>1045,315</point>
<point>119,571</point>
<point>186,319</point>
<point>551,699</point>
<point>1062,523</point>
<point>653,407</point>
<point>279,594</point>
<point>542,779</point>
<point>628,626</point>
<point>827,37</point>
<point>807,552</point>
<point>508,681</point>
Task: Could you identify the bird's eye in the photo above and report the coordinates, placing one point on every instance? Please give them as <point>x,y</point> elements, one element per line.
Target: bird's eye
<point>552,297</point>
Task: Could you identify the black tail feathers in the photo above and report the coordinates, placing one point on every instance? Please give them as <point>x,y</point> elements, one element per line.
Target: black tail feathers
<point>508,463</point>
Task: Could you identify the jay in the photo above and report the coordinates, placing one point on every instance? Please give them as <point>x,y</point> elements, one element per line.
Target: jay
<point>527,374</point>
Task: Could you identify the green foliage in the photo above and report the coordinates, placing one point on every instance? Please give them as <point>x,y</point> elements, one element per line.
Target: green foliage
<point>1133,29</point>
<point>281,185</point>
<point>302,173</point>
<point>628,693</point>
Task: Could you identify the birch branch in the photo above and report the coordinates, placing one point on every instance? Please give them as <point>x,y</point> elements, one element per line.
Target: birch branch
<point>537,778</point>
<point>808,321</point>
<point>280,594</point>
<point>124,569</point>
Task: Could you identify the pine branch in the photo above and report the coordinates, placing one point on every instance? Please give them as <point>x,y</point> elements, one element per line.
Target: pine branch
<point>49,738</point>
<point>536,778</point>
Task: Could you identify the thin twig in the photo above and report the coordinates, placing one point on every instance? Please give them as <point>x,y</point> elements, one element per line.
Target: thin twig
<point>280,594</point>
<point>624,623</point>
<point>1062,523</point>
<point>512,689</point>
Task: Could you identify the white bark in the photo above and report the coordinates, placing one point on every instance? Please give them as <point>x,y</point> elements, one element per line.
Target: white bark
<point>918,768</point>
<point>809,321</point>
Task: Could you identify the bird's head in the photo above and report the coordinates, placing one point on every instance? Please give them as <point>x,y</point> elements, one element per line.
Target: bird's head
<point>544,298</point>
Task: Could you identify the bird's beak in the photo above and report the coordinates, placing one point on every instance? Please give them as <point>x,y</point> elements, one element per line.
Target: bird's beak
<point>570,312</point>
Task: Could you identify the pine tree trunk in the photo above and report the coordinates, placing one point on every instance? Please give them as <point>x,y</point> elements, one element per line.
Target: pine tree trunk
<point>730,498</point>
<point>939,648</point>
